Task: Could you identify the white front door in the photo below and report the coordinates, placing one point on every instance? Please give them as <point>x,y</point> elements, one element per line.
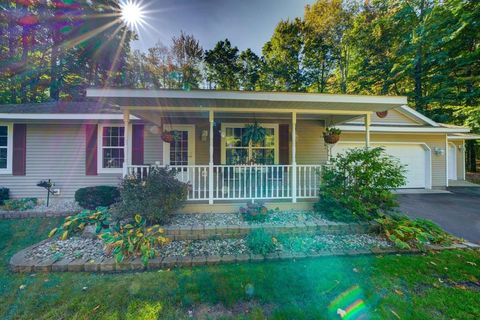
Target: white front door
<point>181,152</point>
<point>452,162</point>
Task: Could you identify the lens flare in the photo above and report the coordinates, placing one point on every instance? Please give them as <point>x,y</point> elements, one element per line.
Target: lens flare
<point>132,13</point>
<point>349,305</point>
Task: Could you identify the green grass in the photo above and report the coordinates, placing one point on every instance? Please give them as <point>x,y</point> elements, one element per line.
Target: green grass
<point>432,286</point>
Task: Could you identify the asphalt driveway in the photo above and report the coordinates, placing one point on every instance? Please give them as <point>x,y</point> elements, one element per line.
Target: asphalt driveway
<point>457,212</point>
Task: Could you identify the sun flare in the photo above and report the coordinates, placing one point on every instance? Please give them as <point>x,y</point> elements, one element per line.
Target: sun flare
<point>132,13</point>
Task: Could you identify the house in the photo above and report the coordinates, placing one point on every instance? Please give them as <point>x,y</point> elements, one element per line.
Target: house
<point>119,131</point>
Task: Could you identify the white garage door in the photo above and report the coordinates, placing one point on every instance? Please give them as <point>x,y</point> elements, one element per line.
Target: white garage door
<point>413,156</point>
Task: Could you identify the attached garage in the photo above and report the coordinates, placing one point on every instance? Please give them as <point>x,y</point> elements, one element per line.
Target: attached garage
<point>415,156</point>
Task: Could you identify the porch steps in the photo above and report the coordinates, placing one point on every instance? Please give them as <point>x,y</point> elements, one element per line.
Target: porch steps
<point>204,232</point>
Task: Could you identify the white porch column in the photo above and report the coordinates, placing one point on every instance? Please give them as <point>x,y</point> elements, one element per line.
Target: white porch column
<point>127,154</point>
<point>368,121</point>
<point>294,157</point>
<point>210,163</point>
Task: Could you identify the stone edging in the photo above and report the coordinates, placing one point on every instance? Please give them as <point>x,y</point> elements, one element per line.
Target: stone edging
<point>202,232</point>
<point>33,214</point>
<point>19,264</point>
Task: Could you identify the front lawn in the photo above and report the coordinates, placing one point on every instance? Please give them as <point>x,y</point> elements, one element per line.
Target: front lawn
<point>433,286</point>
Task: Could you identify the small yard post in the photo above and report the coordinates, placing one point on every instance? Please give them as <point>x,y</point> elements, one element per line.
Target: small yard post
<point>368,120</point>
<point>294,157</point>
<point>210,163</point>
<point>127,155</point>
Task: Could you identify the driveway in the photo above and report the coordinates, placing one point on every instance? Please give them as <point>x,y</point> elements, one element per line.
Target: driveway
<point>457,212</point>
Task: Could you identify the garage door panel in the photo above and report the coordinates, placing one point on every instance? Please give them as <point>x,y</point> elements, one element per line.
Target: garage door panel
<point>412,156</point>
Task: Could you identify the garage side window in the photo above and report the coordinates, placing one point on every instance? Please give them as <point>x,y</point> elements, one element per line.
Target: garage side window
<point>4,152</point>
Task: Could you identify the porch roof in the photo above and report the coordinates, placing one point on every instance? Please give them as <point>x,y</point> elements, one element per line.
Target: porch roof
<point>138,99</point>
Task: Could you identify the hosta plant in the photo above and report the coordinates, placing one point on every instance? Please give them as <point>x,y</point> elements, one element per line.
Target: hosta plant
<point>100,218</point>
<point>405,233</point>
<point>134,239</point>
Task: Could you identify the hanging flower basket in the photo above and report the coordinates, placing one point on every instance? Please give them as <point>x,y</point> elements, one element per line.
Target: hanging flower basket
<point>331,135</point>
<point>168,136</point>
<point>382,114</point>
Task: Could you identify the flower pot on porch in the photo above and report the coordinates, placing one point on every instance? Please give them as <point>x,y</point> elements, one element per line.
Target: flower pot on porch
<point>331,138</point>
<point>168,136</point>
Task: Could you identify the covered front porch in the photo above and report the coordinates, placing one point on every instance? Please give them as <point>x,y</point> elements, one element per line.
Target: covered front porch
<point>209,154</point>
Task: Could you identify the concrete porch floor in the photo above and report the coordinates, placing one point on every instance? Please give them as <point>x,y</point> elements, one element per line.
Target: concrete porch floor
<point>462,183</point>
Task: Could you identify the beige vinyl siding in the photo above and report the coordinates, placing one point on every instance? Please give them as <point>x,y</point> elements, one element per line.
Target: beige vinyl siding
<point>393,117</point>
<point>152,147</point>
<point>310,145</point>
<point>431,140</point>
<point>55,152</point>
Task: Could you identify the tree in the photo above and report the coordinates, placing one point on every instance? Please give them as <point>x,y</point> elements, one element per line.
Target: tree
<point>251,67</point>
<point>283,56</point>
<point>221,64</point>
<point>187,55</point>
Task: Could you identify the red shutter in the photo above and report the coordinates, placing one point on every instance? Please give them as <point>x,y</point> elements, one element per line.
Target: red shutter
<point>137,144</point>
<point>91,149</point>
<point>19,155</point>
<point>217,142</point>
<point>283,141</point>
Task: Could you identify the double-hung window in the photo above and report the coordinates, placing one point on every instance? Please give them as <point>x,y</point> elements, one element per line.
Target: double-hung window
<point>5,148</point>
<point>237,151</point>
<point>111,148</point>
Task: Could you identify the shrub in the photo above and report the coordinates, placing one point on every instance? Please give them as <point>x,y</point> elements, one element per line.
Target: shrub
<point>4,195</point>
<point>77,223</point>
<point>254,212</point>
<point>98,196</point>
<point>21,204</point>
<point>260,242</point>
<point>134,240</point>
<point>358,184</point>
<point>406,233</point>
<point>156,197</point>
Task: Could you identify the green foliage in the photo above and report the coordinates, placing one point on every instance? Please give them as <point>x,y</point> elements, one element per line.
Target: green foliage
<point>156,197</point>
<point>406,233</point>
<point>21,204</point>
<point>254,212</point>
<point>4,195</point>
<point>260,242</point>
<point>75,224</point>
<point>332,130</point>
<point>254,133</point>
<point>98,196</point>
<point>222,67</point>
<point>358,185</point>
<point>134,239</point>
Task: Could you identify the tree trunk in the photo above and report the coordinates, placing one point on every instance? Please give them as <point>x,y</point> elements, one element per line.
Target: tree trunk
<point>54,68</point>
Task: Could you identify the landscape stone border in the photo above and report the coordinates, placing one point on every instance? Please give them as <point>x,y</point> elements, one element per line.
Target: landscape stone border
<point>18,263</point>
<point>202,232</point>
<point>33,214</point>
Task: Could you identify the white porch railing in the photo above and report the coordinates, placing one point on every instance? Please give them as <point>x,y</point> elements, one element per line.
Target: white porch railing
<point>242,182</point>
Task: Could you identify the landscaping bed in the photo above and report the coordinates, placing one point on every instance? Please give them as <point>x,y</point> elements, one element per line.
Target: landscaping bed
<point>40,209</point>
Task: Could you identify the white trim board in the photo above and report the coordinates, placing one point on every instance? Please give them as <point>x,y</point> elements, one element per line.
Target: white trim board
<point>64,116</point>
<point>8,169</point>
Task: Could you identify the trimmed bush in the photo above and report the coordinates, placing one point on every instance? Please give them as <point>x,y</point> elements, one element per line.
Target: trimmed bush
<point>4,195</point>
<point>21,204</point>
<point>98,196</point>
<point>155,198</point>
<point>358,185</point>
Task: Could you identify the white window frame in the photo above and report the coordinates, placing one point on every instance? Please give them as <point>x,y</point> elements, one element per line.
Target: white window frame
<point>8,169</point>
<point>224,127</point>
<point>190,128</point>
<point>100,167</point>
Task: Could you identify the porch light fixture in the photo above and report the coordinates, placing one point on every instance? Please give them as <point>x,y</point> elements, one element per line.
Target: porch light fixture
<point>204,135</point>
<point>439,151</point>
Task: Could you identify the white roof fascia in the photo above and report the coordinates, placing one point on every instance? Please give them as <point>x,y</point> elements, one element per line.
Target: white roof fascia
<point>402,129</point>
<point>244,95</point>
<point>64,116</point>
